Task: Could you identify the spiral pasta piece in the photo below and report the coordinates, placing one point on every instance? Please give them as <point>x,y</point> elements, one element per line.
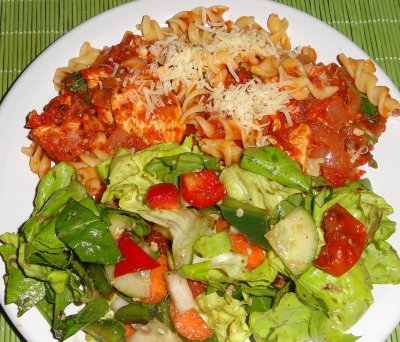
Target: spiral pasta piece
<point>87,56</point>
<point>362,71</point>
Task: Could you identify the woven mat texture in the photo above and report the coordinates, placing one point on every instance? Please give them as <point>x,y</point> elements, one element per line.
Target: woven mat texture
<point>27,27</point>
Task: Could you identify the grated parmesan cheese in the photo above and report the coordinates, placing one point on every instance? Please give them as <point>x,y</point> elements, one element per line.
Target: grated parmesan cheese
<point>246,103</point>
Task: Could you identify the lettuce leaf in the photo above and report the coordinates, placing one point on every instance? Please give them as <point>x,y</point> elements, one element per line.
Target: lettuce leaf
<point>214,272</point>
<point>225,315</point>
<point>345,298</point>
<point>291,320</point>
<point>379,257</point>
<point>254,189</point>
<point>211,246</point>
<point>184,225</point>
<point>128,182</point>
<point>170,168</point>
<point>23,291</point>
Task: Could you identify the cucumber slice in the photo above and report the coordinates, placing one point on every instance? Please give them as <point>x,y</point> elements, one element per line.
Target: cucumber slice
<point>295,240</point>
<point>134,285</point>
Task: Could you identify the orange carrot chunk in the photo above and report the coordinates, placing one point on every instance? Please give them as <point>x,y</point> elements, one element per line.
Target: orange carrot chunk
<point>189,324</point>
<point>221,225</point>
<point>255,254</point>
<point>158,286</point>
<point>129,330</point>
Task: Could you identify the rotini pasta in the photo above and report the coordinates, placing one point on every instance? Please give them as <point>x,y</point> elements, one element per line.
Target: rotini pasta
<point>362,71</point>
<point>233,84</point>
<point>87,55</point>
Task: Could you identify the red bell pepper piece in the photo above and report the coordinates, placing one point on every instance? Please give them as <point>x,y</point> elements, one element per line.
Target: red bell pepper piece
<point>136,259</point>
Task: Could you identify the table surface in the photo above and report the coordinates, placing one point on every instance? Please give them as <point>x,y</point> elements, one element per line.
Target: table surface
<point>27,27</point>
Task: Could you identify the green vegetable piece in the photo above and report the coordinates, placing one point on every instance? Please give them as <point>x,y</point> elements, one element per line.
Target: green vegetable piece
<point>383,264</point>
<point>87,235</point>
<point>93,311</point>
<point>291,320</point>
<point>171,167</point>
<point>97,273</point>
<point>104,168</point>
<point>295,240</point>
<point>274,163</point>
<point>251,221</point>
<point>106,330</point>
<point>46,248</point>
<point>125,220</point>
<point>211,246</point>
<point>21,290</point>
<point>55,199</point>
<point>286,206</point>
<point>345,299</point>
<point>259,304</point>
<point>46,309</point>
<point>367,107</point>
<point>161,312</point>
<point>76,83</point>
<point>254,189</point>
<point>185,225</point>
<point>225,315</point>
<point>133,313</point>
<point>56,178</point>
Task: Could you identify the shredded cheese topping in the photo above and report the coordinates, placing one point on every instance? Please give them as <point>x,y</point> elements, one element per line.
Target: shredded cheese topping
<point>180,63</point>
<point>248,102</point>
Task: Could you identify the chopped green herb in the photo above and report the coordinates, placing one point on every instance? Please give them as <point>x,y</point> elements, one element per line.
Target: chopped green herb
<point>370,110</point>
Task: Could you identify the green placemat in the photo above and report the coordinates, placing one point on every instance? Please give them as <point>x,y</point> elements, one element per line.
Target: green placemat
<point>27,27</point>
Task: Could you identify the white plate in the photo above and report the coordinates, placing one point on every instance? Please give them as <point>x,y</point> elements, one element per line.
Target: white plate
<point>35,88</point>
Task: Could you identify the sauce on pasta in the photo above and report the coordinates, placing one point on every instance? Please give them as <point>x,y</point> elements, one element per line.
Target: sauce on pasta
<point>232,84</point>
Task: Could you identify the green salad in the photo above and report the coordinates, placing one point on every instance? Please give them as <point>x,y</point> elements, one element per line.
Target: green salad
<point>180,248</point>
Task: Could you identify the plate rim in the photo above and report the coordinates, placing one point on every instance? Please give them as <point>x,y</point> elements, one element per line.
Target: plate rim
<point>25,75</point>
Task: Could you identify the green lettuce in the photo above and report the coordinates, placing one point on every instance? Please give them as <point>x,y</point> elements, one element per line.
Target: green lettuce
<point>184,225</point>
<point>344,298</point>
<point>291,320</point>
<point>127,180</point>
<point>170,168</point>
<point>225,315</point>
<point>254,189</point>
<point>23,291</point>
<point>216,272</point>
<point>55,189</point>
<point>380,258</point>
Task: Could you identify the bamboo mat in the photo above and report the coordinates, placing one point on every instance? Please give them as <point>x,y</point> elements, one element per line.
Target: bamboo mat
<point>27,27</point>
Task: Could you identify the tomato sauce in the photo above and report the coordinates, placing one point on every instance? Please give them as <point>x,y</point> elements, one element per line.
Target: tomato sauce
<point>341,134</point>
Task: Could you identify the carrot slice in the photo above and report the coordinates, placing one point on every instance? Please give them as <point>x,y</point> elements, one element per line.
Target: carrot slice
<point>158,286</point>
<point>129,330</point>
<point>189,324</point>
<point>221,225</point>
<point>241,245</point>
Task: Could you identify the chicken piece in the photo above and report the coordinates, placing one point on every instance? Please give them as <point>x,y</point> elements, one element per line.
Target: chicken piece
<point>141,110</point>
<point>295,140</point>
